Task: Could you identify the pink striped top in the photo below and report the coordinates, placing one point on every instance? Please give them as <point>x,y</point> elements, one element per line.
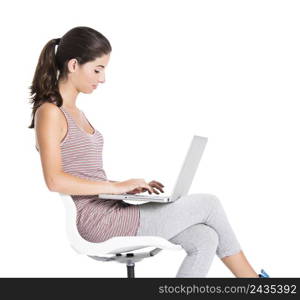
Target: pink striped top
<point>97,219</point>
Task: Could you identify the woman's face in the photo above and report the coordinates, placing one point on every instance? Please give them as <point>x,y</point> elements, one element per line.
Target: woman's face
<point>86,77</point>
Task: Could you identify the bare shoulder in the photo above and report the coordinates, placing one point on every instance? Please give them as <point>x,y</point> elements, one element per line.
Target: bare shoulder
<point>49,122</point>
<point>48,110</point>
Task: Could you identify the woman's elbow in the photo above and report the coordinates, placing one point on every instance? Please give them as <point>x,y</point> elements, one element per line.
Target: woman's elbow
<point>52,184</point>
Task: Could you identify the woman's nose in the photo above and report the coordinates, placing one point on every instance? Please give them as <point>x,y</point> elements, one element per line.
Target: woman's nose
<point>101,79</point>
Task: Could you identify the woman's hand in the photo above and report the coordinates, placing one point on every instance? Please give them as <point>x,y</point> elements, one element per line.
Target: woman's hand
<point>154,184</point>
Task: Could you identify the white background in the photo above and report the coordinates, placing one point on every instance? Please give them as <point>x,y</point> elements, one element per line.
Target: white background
<point>227,70</point>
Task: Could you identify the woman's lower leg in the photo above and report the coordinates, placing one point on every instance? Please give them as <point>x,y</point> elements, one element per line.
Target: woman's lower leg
<point>239,265</point>
<point>229,250</point>
<point>200,243</point>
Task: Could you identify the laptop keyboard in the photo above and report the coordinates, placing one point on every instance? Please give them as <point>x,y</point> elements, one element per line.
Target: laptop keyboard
<point>144,196</point>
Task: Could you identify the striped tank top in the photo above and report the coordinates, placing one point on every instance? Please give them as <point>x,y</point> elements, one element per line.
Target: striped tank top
<point>97,219</point>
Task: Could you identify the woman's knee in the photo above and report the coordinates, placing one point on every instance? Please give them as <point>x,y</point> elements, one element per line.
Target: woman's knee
<point>204,237</point>
<point>197,237</point>
<point>208,234</point>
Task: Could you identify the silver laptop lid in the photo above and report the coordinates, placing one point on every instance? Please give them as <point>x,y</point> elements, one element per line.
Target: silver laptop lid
<point>189,167</point>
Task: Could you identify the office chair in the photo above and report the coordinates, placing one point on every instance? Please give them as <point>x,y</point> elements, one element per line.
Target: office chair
<point>120,248</point>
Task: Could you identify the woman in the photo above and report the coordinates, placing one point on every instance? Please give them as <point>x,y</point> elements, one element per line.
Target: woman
<point>71,156</point>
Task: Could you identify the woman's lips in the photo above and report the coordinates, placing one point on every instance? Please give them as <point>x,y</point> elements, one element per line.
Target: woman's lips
<point>94,86</point>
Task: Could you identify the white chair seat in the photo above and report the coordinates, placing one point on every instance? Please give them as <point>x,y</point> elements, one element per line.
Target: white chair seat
<point>121,244</point>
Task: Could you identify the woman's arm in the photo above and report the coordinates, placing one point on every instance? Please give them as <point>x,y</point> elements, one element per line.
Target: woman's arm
<point>66,183</point>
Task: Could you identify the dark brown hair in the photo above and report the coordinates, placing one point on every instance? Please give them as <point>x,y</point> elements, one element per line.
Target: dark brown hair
<point>83,43</point>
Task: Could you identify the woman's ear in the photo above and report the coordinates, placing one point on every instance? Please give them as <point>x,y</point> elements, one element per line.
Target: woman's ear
<point>72,65</point>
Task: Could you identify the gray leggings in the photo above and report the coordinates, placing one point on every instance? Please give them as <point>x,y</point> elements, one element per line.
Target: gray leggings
<point>198,223</point>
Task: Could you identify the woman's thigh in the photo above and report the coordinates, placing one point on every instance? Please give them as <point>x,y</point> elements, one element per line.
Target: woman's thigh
<point>169,219</point>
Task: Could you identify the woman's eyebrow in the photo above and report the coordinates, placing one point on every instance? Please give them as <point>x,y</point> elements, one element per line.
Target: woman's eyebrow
<point>100,66</point>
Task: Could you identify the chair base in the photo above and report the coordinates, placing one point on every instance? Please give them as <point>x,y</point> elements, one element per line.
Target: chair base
<point>129,258</point>
<point>130,270</point>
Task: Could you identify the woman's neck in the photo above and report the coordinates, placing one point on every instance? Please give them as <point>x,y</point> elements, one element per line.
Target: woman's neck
<point>69,95</point>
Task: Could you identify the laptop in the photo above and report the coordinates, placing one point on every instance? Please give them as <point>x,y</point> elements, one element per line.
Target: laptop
<point>183,183</point>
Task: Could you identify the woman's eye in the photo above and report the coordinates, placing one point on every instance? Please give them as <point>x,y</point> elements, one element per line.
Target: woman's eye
<point>97,71</point>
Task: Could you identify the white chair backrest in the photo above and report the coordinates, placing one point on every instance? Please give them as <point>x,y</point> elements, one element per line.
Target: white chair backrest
<point>77,242</point>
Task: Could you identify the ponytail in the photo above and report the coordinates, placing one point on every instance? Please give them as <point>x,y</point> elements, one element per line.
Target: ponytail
<point>44,86</point>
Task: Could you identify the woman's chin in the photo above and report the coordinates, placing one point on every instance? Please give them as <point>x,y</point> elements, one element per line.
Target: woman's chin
<point>87,91</point>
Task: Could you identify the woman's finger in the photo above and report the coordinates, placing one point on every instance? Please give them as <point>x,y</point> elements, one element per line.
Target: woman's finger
<point>155,191</point>
<point>157,182</point>
<point>155,185</point>
<point>160,189</point>
<point>150,188</point>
